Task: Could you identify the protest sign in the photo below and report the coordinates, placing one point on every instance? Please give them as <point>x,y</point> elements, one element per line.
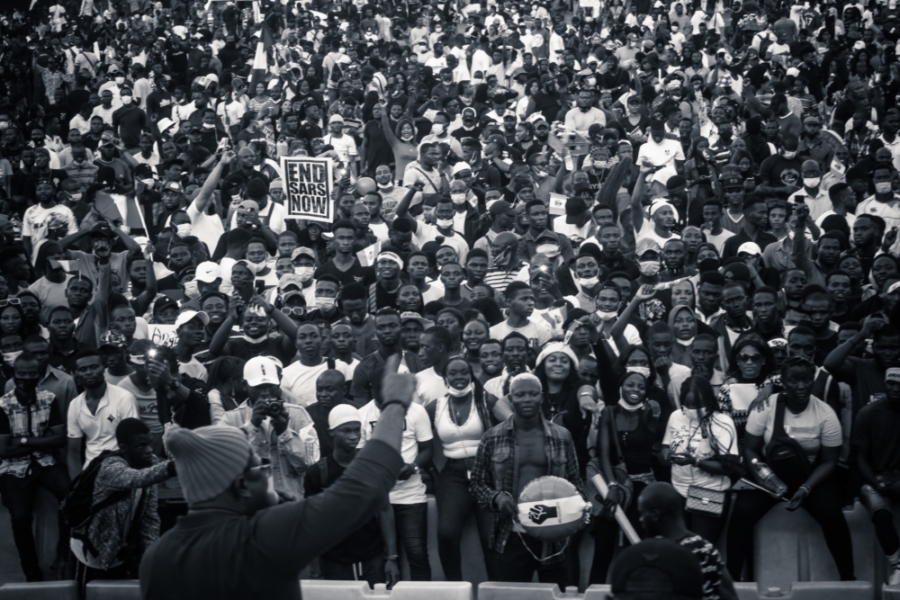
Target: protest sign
<point>162,335</point>
<point>308,183</point>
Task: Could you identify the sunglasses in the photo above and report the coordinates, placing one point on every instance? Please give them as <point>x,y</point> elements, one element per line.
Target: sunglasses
<point>12,301</point>
<point>750,358</point>
<point>298,311</point>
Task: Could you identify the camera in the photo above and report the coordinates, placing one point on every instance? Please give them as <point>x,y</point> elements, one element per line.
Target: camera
<point>274,408</point>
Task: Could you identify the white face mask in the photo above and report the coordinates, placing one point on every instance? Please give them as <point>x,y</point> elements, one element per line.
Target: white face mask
<point>685,343</point>
<point>75,197</point>
<point>191,290</point>
<point>126,99</point>
<point>445,223</point>
<point>120,80</point>
<point>407,138</point>
<point>588,282</point>
<point>691,413</point>
<point>811,182</point>
<point>788,155</point>
<point>883,187</point>
<point>323,303</point>
<point>385,186</point>
<point>458,199</point>
<point>541,174</point>
<point>255,268</point>
<point>438,129</point>
<point>183,230</point>
<point>649,267</point>
<point>209,126</point>
<point>645,371</point>
<point>10,357</point>
<point>606,315</point>
<point>304,273</point>
<point>460,393</point>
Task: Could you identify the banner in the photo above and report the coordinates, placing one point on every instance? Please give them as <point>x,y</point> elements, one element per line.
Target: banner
<point>162,335</point>
<point>308,183</point>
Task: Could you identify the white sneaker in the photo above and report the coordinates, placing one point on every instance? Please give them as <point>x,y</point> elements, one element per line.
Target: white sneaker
<point>894,576</point>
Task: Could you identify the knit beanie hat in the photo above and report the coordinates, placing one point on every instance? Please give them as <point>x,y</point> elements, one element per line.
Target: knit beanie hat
<point>207,459</point>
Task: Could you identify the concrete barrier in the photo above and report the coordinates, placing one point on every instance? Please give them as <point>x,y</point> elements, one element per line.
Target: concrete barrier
<point>43,590</point>
<point>808,590</point>
<point>494,590</point>
<point>315,589</point>
<point>114,589</point>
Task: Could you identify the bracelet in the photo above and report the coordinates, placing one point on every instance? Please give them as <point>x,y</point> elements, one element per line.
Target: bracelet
<point>612,484</point>
<point>805,487</point>
<point>394,557</point>
<point>384,405</point>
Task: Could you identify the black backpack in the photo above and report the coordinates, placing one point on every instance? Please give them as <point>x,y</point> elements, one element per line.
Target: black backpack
<point>784,455</point>
<point>79,509</point>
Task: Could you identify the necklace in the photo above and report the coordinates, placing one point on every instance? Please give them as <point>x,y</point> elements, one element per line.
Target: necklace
<point>456,411</point>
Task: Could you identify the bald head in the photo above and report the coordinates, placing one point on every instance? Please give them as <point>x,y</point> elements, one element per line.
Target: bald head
<point>506,239</point>
<point>330,388</point>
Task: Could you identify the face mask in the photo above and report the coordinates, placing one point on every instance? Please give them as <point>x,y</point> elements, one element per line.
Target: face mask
<point>691,413</point>
<point>26,385</point>
<point>406,138</point>
<point>75,197</point>
<point>592,81</point>
<point>183,230</point>
<point>630,407</point>
<point>120,80</point>
<point>649,267</point>
<point>126,99</point>
<point>255,268</point>
<point>209,126</point>
<point>10,357</point>
<point>304,273</point>
<point>708,264</point>
<point>883,187</point>
<point>606,315</point>
<point>811,182</point>
<point>788,155</point>
<point>588,282</point>
<point>685,343</point>
<point>445,223</point>
<point>541,174</point>
<point>645,371</point>
<point>458,199</point>
<point>324,303</point>
<point>460,393</point>
<point>437,129</point>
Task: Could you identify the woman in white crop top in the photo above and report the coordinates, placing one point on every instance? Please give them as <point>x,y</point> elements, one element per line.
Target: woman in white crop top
<point>460,418</point>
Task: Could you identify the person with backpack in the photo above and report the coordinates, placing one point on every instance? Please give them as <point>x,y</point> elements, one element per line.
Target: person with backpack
<point>369,553</point>
<point>112,506</point>
<point>799,438</point>
<point>31,429</point>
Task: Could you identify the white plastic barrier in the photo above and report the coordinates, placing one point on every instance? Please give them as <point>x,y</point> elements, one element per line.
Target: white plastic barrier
<point>890,592</point>
<point>114,589</point>
<point>316,589</point>
<point>496,590</point>
<point>808,590</point>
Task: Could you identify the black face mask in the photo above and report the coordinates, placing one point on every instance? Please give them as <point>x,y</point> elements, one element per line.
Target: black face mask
<point>708,264</point>
<point>26,386</point>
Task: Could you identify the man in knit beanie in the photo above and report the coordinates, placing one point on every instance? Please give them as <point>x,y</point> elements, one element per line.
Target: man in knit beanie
<point>234,543</point>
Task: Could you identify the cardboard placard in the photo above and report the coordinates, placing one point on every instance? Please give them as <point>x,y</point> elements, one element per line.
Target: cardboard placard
<point>308,184</point>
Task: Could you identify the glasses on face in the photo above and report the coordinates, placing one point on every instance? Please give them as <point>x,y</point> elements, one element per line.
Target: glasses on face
<point>750,358</point>
<point>12,301</point>
<point>297,311</point>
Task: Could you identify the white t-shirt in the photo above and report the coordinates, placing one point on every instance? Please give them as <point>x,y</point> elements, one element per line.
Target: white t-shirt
<point>275,222</point>
<point>426,232</point>
<point>718,240</point>
<point>207,228</point>
<point>100,428</point>
<point>300,380</point>
<point>429,386</point>
<point>37,218</point>
<point>417,428</point>
<point>683,435</point>
<point>536,332</point>
<point>662,154</point>
<point>815,427</point>
<point>648,230</point>
<point>344,146</point>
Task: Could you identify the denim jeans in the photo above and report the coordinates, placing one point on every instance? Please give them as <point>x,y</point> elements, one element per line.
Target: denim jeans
<point>18,498</point>
<point>454,505</point>
<point>412,536</point>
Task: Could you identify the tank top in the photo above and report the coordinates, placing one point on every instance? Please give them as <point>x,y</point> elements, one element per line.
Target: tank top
<point>458,441</point>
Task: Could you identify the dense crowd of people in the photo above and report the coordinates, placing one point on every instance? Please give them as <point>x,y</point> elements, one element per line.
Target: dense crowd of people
<point>654,241</point>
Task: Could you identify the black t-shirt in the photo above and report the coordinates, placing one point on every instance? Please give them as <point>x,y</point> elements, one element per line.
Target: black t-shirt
<point>355,274</point>
<point>875,435</point>
<point>363,544</point>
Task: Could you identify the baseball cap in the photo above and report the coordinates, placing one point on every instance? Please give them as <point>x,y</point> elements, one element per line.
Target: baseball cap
<point>102,228</point>
<point>501,207</point>
<point>163,303</point>
<point>892,374</point>
<point>260,370</point>
<point>164,124</point>
<point>107,138</point>
<point>731,181</point>
<point>414,316</point>
<point>460,167</point>
<point>645,245</point>
<point>173,186</point>
<point>303,251</point>
<point>335,119</point>
<point>189,315</point>
<point>114,339</point>
<point>749,248</point>
<point>207,272</point>
<point>289,279</point>
<point>657,566</point>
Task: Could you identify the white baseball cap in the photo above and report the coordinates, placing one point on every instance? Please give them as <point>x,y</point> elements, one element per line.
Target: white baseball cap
<point>343,413</point>
<point>189,315</point>
<point>207,272</point>
<point>260,370</point>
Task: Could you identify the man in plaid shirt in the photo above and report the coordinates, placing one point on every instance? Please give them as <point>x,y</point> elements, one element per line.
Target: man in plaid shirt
<point>511,455</point>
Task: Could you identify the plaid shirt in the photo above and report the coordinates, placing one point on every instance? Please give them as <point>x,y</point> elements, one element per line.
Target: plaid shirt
<point>496,471</point>
<point>858,145</point>
<point>31,420</point>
